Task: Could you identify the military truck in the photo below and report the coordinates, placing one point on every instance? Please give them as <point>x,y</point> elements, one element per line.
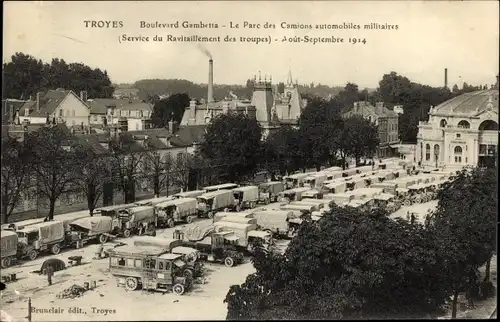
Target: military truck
<point>275,221</point>
<point>41,237</point>
<point>149,268</point>
<point>294,194</point>
<point>88,229</point>
<point>246,234</point>
<point>214,246</point>
<point>211,202</point>
<point>269,191</point>
<point>246,197</point>
<point>178,210</point>
<point>8,247</point>
<point>135,220</point>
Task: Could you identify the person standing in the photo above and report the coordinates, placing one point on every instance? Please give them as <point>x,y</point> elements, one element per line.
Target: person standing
<point>412,218</point>
<point>50,273</point>
<point>408,215</point>
<point>98,254</point>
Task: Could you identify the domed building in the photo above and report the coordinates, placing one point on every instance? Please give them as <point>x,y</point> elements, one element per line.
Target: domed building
<point>461,131</point>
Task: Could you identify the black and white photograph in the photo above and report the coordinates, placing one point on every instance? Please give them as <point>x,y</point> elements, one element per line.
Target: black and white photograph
<point>249,160</point>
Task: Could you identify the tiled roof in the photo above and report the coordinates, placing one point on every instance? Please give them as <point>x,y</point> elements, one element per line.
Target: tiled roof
<point>469,103</point>
<point>93,142</point>
<point>137,106</point>
<point>191,134</point>
<point>48,103</point>
<point>100,105</point>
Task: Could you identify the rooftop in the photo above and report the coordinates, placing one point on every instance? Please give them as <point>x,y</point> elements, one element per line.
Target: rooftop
<point>470,103</point>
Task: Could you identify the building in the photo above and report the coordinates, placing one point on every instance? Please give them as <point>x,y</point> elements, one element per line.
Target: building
<point>110,112</point>
<point>461,131</point>
<point>269,107</point>
<point>385,119</point>
<point>398,109</point>
<point>9,109</point>
<point>56,106</point>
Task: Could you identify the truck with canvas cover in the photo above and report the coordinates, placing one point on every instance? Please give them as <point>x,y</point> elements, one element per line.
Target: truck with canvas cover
<point>364,193</point>
<point>365,169</point>
<point>312,194</point>
<point>275,222</point>
<point>9,247</point>
<point>342,199</point>
<point>356,183</point>
<point>269,191</point>
<point>135,220</point>
<point>239,220</point>
<point>149,268</point>
<point>246,197</point>
<point>335,187</point>
<point>189,194</point>
<point>213,246</point>
<point>315,180</point>
<point>112,211</point>
<point>175,246</point>
<point>211,202</point>
<point>321,203</point>
<point>294,194</point>
<point>152,201</point>
<point>88,229</point>
<point>296,180</point>
<point>362,205</point>
<point>246,233</point>
<point>349,172</point>
<point>178,210</point>
<point>387,201</point>
<point>242,214</point>
<point>42,237</point>
<point>303,202</point>
<point>224,186</point>
<point>299,210</point>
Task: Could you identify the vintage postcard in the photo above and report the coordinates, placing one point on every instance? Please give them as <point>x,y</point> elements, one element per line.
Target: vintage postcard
<point>249,160</point>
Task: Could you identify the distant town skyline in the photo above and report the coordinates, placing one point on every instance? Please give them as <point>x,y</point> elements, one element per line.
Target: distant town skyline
<point>431,36</point>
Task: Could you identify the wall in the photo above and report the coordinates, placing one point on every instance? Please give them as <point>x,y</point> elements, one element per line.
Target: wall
<point>73,111</point>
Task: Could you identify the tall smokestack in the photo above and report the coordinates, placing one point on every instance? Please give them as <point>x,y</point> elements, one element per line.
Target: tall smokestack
<point>210,96</point>
<point>446,77</point>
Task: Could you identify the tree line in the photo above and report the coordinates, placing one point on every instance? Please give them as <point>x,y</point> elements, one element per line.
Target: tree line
<point>52,163</point>
<point>25,75</point>
<point>363,265</point>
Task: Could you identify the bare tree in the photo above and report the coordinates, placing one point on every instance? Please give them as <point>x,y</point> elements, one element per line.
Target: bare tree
<point>15,174</point>
<point>181,166</point>
<point>96,172</point>
<point>54,163</point>
<point>158,168</point>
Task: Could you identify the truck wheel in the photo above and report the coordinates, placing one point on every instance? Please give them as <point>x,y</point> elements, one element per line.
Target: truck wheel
<point>229,262</point>
<point>171,223</point>
<point>238,208</point>
<point>6,262</point>
<point>56,249</point>
<point>126,233</point>
<point>131,284</point>
<point>189,219</point>
<point>178,289</point>
<point>210,215</point>
<point>103,239</point>
<point>267,201</point>
<point>32,254</point>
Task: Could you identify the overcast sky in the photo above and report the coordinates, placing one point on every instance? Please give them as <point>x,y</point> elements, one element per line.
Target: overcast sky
<point>431,36</point>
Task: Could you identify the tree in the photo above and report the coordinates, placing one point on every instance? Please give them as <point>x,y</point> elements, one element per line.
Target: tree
<point>24,75</point>
<point>96,171</point>
<point>233,144</point>
<point>171,107</point>
<point>16,174</point>
<point>54,163</point>
<point>455,89</point>
<point>318,124</point>
<point>282,151</point>
<point>361,137</point>
<point>348,264</point>
<point>160,169</point>
<point>129,158</point>
<point>465,222</point>
<point>182,165</point>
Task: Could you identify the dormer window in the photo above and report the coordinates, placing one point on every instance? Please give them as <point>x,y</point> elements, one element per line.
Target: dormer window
<point>26,112</point>
<point>61,113</point>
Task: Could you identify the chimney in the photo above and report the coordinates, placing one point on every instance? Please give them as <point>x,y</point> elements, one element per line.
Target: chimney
<point>379,106</point>
<point>192,112</point>
<point>446,77</point>
<point>172,126</point>
<point>38,94</point>
<point>210,96</point>
<point>83,95</point>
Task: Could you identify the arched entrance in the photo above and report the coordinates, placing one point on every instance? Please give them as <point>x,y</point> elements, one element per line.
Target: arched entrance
<point>457,152</point>
<point>436,153</point>
<point>487,156</point>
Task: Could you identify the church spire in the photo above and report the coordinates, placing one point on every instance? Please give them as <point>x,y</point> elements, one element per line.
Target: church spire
<point>289,80</point>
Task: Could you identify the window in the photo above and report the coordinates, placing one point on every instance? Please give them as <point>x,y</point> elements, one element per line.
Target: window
<point>121,262</point>
<point>464,124</point>
<point>128,113</point>
<point>458,135</point>
<point>167,266</point>
<point>26,112</point>
<point>61,113</point>
<point>436,151</point>
<point>150,263</point>
<point>160,265</point>
<point>138,263</point>
<point>95,118</point>
<point>73,113</point>
<point>427,152</point>
<point>114,261</point>
<point>442,123</point>
<point>130,262</point>
<point>458,154</point>
<point>137,126</point>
